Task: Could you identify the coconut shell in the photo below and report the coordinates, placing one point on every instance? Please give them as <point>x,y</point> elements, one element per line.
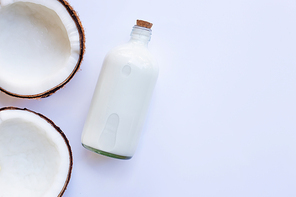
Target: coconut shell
<point>63,136</point>
<point>80,28</point>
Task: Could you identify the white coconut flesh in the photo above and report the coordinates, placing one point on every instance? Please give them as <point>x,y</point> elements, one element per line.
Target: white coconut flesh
<point>34,158</point>
<point>39,45</point>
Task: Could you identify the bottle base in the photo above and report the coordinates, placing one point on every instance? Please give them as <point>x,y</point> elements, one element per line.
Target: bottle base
<point>106,153</point>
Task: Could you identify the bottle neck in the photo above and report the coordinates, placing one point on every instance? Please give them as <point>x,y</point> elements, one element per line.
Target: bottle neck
<point>141,35</point>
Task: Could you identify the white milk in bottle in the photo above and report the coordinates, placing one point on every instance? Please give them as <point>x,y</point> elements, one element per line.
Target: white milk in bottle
<point>122,96</point>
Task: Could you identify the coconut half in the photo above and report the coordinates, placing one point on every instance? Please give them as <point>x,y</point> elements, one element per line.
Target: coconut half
<point>41,46</point>
<point>35,155</point>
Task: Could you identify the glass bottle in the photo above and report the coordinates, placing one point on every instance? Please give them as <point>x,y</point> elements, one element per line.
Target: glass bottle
<point>122,96</point>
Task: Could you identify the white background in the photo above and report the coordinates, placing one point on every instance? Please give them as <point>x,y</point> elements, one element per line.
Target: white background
<point>222,118</point>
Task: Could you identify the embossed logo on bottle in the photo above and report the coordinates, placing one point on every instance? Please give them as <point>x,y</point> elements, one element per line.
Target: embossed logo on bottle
<point>126,70</point>
<point>108,137</point>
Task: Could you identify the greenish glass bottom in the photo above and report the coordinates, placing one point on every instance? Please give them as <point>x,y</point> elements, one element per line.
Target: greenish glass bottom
<point>105,153</point>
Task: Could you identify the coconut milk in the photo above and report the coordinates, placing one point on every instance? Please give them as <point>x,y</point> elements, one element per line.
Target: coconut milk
<point>121,98</point>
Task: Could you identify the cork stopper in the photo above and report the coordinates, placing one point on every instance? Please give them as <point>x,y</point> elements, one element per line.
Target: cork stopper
<point>146,24</point>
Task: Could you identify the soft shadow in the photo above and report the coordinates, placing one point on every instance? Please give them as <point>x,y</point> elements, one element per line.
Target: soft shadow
<point>6,100</point>
<point>92,157</point>
<point>97,161</point>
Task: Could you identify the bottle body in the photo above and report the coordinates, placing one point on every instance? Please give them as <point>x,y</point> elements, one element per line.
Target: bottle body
<point>120,101</point>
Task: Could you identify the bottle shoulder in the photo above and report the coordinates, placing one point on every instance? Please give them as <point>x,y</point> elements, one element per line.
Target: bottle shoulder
<point>130,49</point>
<point>131,53</point>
